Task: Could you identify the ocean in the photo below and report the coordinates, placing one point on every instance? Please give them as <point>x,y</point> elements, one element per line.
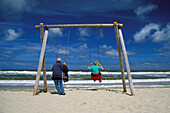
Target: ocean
<point>82,79</point>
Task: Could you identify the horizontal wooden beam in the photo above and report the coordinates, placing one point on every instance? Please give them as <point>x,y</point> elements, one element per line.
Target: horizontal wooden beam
<point>77,25</point>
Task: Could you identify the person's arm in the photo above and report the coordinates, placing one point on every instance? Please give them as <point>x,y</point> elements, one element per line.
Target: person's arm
<point>101,66</point>
<point>66,68</point>
<point>89,66</point>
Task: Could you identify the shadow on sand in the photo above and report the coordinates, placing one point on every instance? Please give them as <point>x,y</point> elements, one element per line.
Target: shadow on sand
<point>94,89</point>
<point>54,92</point>
<point>40,91</point>
<point>118,91</point>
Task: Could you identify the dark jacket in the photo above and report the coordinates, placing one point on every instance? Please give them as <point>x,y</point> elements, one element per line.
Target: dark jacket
<point>65,73</point>
<point>57,71</point>
<point>65,69</point>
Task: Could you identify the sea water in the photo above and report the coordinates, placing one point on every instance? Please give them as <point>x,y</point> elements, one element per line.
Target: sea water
<point>82,79</point>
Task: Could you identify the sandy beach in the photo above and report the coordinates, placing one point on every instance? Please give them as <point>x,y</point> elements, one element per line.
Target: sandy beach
<point>112,100</point>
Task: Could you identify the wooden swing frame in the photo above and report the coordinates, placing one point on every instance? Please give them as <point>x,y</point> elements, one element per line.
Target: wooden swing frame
<point>119,40</point>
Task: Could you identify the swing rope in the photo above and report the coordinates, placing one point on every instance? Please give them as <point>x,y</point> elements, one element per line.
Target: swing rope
<point>67,45</point>
<point>89,45</point>
<point>58,43</point>
<point>97,41</point>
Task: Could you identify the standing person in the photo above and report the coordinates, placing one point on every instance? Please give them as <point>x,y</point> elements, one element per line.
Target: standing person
<point>65,72</point>
<point>57,76</point>
<point>95,74</point>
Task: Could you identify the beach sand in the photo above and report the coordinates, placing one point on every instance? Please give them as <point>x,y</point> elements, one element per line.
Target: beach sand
<point>112,100</point>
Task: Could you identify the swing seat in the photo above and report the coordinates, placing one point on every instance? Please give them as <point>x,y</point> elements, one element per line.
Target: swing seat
<point>96,76</point>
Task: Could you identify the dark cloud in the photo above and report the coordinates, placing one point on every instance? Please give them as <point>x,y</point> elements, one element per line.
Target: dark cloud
<point>141,11</point>
<point>15,9</point>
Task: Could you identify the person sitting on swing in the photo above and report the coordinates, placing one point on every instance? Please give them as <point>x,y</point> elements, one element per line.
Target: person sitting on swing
<point>95,71</point>
<point>65,72</point>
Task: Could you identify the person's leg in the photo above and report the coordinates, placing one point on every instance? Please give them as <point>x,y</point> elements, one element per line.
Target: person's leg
<point>56,82</point>
<point>100,78</point>
<point>62,86</point>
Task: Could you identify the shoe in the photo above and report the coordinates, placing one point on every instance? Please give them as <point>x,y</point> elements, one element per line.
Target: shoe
<point>63,94</point>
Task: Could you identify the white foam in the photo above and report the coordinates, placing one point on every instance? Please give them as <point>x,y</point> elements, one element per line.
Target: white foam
<point>79,73</point>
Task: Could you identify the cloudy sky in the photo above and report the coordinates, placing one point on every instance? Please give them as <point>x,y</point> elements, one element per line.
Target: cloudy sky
<point>146,33</point>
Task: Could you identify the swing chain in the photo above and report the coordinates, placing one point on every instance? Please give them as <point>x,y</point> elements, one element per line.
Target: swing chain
<point>67,45</point>
<point>58,43</point>
<point>97,42</point>
<point>89,45</point>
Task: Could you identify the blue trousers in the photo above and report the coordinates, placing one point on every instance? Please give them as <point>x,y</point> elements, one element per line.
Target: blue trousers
<point>59,86</point>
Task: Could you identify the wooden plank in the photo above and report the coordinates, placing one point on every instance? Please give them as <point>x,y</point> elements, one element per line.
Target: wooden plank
<point>120,59</point>
<point>40,62</point>
<point>126,62</point>
<point>44,69</point>
<point>77,25</point>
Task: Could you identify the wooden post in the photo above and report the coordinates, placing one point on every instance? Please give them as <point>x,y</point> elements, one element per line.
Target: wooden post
<point>40,62</point>
<point>120,57</point>
<point>44,69</point>
<point>126,62</point>
<point>44,76</point>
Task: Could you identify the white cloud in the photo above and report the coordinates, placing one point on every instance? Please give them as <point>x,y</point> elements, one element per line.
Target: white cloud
<point>143,10</point>
<point>105,47</point>
<point>145,32</point>
<point>83,31</point>
<point>55,32</point>
<point>158,34</point>
<point>84,46</point>
<point>162,35</point>
<point>101,34</point>
<point>131,53</point>
<point>11,34</point>
<point>109,51</point>
<point>63,51</point>
<point>112,52</point>
<point>83,56</point>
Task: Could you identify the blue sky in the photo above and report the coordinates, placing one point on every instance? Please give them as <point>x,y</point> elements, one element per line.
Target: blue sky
<point>146,33</point>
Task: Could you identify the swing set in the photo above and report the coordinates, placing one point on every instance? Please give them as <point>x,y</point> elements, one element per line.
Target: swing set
<point>119,40</point>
